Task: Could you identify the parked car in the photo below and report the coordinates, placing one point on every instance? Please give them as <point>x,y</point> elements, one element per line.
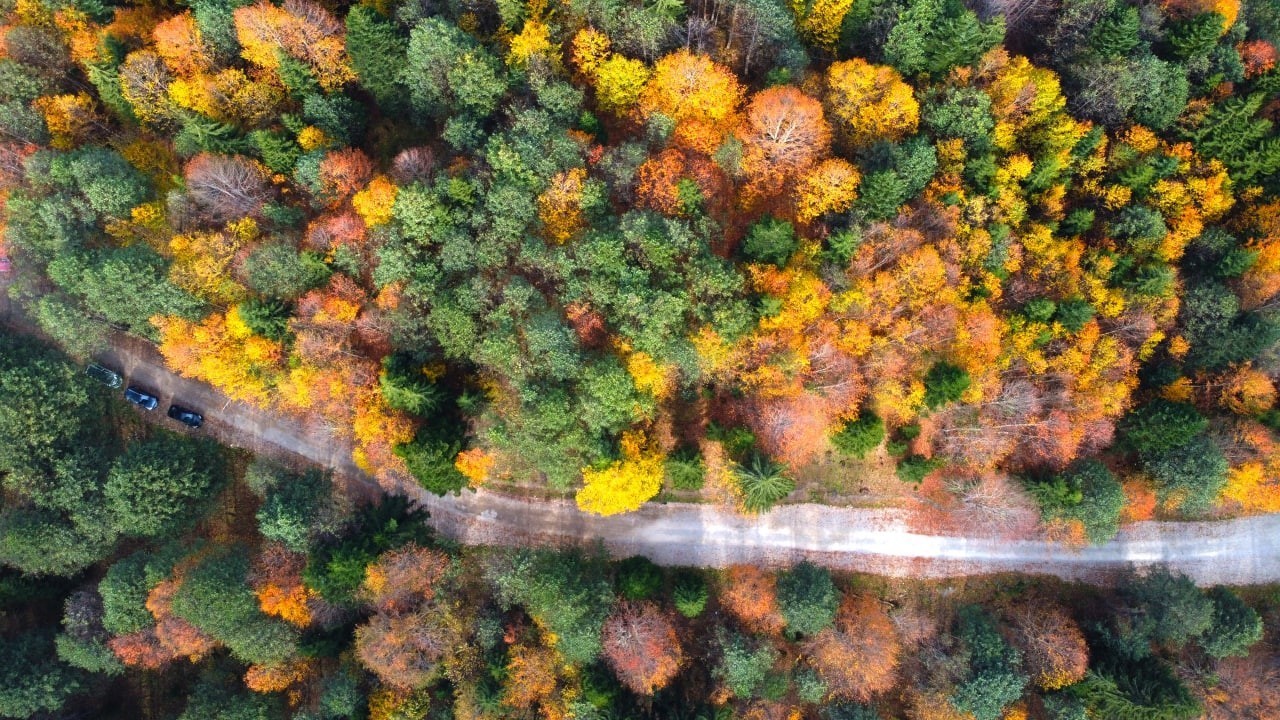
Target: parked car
<point>110,378</point>
<point>141,398</point>
<point>190,418</point>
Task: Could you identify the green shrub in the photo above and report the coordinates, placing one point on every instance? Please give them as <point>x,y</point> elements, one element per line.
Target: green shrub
<point>763,483</point>
<point>858,437</point>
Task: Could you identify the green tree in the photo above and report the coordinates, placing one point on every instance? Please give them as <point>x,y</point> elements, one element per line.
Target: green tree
<point>933,36</point>
<point>1169,608</point>
<point>124,591</point>
<point>1235,627</point>
<point>763,483</point>
<point>995,679</point>
<point>770,241</point>
<point>638,578</point>
<point>296,507</point>
<point>32,680</point>
<point>944,383</point>
<point>161,483</point>
<point>377,55</point>
<point>278,270</point>
<point>808,599</point>
<point>1160,426</point>
<point>1087,492</point>
<point>1193,474</point>
<point>448,73</point>
<point>689,594</point>
<point>743,663</point>
<point>567,593</point>
<point>858,437</point>
<point>215,598</point>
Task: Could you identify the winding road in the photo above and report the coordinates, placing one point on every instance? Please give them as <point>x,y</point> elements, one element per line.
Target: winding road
<point>1242,551</point>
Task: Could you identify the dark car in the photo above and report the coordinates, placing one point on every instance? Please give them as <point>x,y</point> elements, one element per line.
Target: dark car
<point>110,378</point>
<point>190,418</point>
<point>141,398</point>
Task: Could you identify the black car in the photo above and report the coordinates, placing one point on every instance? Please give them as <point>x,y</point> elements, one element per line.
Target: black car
<point>141,398</point>
<point>110,378</point>
<point>190,418</point>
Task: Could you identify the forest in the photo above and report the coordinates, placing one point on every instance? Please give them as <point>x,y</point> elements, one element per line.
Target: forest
<point>1021,253</point>
<point>199,583</point>
<point>1009,266</point>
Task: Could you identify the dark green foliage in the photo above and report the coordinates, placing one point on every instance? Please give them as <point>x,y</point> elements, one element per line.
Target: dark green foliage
<point>405,386</point>
<point>738,441</point>
<point>566,592</point>
<point>430,458</point>
<point>638,578</point>
<point>1219,333</point>
<point>1232,131</point>
<point>77,333</point>
<point>933,36</point>
<point>278,270</point>
<point>1235,627</point>
<point>1116,35</point>
<point>915,468</point>
<point>689,594</point>
<point>1160,426</point>
<point>160,484</point>
<point>83,641</point>
<point>1195,37</point>
<point>448,73</point>
<point>763,483</point>
<point>1086,492</point>
<point>377,55</point>
<point>277,150</point>
<point>110,184</point>
<point>849,711</point>
<point>1065,706</point>
<point>894,174</point>
<point>124,595</point>
<point>336,568</point>
<point>1074,313</point>
<point>215,597</point>
<point>32,680</point>
<point>338,116</point>
<point>770,241</point>
<point>685,470</point>
<point>1170,609</point>
<point>744,664</point>
<point>944,383</point>
<point>1128,683</point>
<point>220,695</point>
<point>295,507</point>
<point>859,437</point>
<point>808,599</point>
<point>995,679</point>
<point>1194,472</point>
<point>126,286</point>
<point>266,317</point>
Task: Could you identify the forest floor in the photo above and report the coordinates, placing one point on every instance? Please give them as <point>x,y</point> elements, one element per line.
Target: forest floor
<point>1239,551</point>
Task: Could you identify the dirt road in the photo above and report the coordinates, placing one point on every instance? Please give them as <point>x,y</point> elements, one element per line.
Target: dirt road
<point>1236,552</point>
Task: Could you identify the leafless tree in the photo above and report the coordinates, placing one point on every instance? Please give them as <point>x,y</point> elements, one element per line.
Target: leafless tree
<point>226,187</point>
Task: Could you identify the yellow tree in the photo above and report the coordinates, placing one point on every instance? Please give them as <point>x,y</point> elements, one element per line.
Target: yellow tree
<point>831,187</point>
<point>560,208</point>
<point>619,81</point>
<point>870,102</point>
<point>700,95</point>
<point>625,484</point>
<point>819,21</point>
<point>300,29</point>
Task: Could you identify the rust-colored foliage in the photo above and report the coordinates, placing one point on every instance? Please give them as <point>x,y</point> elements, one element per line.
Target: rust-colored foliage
<point>1053,645</point>
<point>858,656</point>
<point>343,173</point>
<point>750,594</point>
<point>299,28</point>
<point>783,134</point>
<point>404,579</point>
<point>641,646</point>
<point>141,649</point>
<point>1246,687</point>
<point>658,184</point>
<point>179,44</point>
<point>531,677</point>
<point>403,650</point>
